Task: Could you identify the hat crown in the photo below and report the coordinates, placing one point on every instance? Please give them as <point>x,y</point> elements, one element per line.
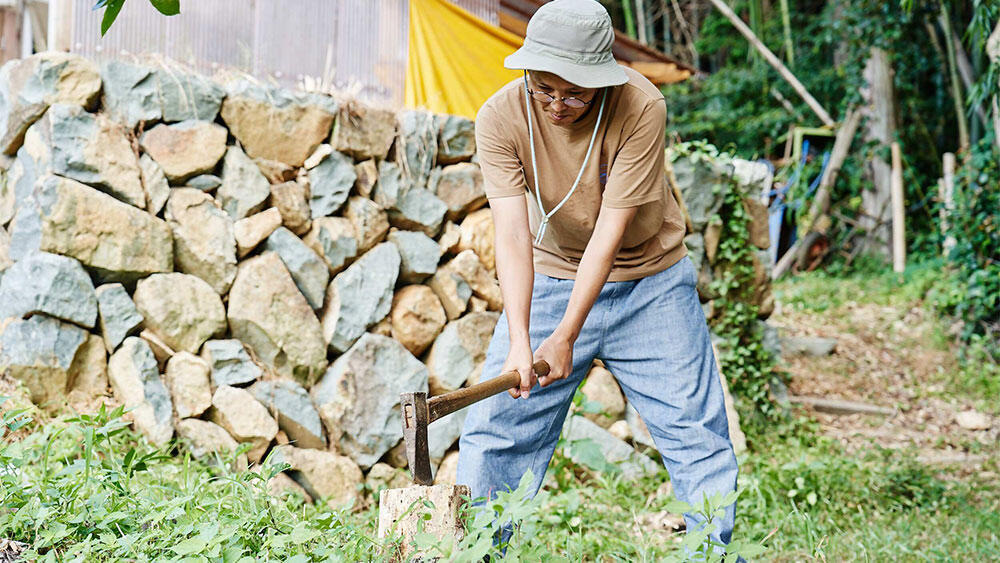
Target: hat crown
<point>579,31</point>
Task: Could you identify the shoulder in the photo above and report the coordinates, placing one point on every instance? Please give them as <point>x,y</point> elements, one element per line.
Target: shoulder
<point>503,102</point>
<point>639,98</point>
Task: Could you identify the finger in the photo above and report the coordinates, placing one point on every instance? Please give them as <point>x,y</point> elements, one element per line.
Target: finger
<point>515,392</point>
<point>527,379</point>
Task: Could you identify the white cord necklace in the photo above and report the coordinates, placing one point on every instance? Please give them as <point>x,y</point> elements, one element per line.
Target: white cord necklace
<point>534,165</point>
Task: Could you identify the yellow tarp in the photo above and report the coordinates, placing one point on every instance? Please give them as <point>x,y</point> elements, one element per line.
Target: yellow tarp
<point>455,60</point>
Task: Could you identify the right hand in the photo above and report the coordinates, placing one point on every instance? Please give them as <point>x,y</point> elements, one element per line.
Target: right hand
<point>520,359</point>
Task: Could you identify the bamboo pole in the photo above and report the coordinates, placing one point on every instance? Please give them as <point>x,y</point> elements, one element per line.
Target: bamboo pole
<point>629,21</point>
<point>956,88</point>
<point>640,21</point>
<point>786,23</point>
<point>774,62</point>
<point>947,187</point>
<point>898,210</point>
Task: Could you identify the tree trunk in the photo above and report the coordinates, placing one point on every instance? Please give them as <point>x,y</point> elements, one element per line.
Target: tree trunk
<point>956,88</point>
<point>880,107</point>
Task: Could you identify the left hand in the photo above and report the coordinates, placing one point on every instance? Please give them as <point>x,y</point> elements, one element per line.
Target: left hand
<point>557,351</point>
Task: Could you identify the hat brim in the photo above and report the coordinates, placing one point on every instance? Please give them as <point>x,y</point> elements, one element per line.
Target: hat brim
<point>583,75</point>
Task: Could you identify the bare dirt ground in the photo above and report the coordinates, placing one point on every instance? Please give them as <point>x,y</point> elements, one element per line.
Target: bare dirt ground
<point>891,354</point>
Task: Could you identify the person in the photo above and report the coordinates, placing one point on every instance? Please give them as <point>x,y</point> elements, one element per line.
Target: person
<point>591,264</point>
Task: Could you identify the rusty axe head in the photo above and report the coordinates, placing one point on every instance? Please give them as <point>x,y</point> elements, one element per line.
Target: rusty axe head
<point>416,417</point>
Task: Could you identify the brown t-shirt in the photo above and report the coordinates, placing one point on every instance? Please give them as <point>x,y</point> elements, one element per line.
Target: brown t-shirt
<point>625,169</point>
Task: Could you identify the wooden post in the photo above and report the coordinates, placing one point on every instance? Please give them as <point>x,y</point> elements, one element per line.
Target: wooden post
<point>879,97</point>
<point>948,198</point>
<point>774,62</point>
<point>898,210</point>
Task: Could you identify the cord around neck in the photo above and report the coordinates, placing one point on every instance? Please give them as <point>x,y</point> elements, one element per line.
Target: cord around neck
<point>534,165</point>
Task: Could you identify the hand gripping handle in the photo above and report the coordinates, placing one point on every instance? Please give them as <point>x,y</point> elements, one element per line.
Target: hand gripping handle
<point>448,403</point>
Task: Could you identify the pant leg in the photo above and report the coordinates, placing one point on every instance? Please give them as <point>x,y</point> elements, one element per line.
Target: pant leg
<point>504,437</point>
<point>658,348</point>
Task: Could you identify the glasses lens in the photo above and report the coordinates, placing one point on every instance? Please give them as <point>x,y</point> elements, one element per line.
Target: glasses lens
<point>573,103</point>
<point>542,97</point>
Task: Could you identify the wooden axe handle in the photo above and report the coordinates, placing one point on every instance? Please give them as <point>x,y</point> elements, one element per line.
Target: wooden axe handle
<point>443,405</point>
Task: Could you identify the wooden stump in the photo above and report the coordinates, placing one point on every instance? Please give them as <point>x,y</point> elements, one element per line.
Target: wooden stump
<point>401,512</point>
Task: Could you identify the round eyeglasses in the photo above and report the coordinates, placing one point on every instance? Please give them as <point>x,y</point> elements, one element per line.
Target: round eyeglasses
<point>575,103</point>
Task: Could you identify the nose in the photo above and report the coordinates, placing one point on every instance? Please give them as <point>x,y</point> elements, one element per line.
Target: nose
<point>561,105</point>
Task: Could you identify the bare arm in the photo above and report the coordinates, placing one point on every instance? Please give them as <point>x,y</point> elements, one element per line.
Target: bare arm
<point>516,273</point>
<point>595,266</point>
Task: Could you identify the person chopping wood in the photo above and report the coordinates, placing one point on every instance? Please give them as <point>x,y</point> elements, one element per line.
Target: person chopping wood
<point>591,264</point>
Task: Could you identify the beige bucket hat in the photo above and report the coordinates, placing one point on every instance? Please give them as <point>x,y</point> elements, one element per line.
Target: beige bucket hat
<point>571,39</point>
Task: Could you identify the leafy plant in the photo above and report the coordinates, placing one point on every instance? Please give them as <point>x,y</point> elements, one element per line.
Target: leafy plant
<point>113,7</point>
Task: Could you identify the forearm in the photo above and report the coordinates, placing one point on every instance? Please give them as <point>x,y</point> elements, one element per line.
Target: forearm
<point>516,273</point>
<point>594,269</point>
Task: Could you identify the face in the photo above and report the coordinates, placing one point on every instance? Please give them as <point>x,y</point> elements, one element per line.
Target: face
<point>556,111</point>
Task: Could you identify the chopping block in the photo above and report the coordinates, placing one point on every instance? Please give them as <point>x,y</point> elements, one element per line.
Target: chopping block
<point>403,512</point>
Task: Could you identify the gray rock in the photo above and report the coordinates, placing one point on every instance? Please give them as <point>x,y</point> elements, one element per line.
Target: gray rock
<point>453,291</point>
<point>91,149</point>
<point>370,222</point>
<point>268,313</point>
<point>703,184</point>
<point>330,183</point>
<point>204,182</point>
<point>205,439</point>
<point>324,475</point>
<point>390,186</point>
<point>771,339</point>
<point>360,296</point>
<point>7,203</point>
<point>39,352</point>
<point>185,149</point>
<point>443,434</point>
<point>187,95</point>
<point>115,240</point>
<point>204,238</point>
<point>290,404</point>
<point>181,309</point>
<point>290,200</point>
<point>118,315</point>
<point>973,420</point>
<point>130,92</point>
<point>418,253</point>
<point>154,182</point>
<point>244,190</point>
<point>458,349</point>
<point>358,397</point>
<point>418,210</point>
<point>640,433</point>
<point>602,388</point>
<point>135,380</point>
<point>244,418</point>
<point>229,363</point>
<point>363,131</point>
<point>5,261</point>
<point>631,463</point>
<point>460,187</point>
<point>309,271</point>
<point>28,86</point>
<point>695,243</point>
<point>456,139</point>
<point>808,345</point>
<point>276,124</point>
<point>186,377</point>
<point>48,283</point>
<point>334,239</point>
<point>417,138</point>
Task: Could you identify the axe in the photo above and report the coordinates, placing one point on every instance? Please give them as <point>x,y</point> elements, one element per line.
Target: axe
<point>418,412</point>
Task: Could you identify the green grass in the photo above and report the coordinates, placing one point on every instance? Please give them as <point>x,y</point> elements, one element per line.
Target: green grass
<point>89,489</point>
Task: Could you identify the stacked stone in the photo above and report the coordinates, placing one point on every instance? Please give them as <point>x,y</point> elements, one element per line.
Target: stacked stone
<point>240,264</point>
<point>703,182</point>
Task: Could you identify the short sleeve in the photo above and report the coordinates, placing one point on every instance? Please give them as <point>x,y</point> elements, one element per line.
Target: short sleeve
<point>636,176</point>
<point>501,168</point>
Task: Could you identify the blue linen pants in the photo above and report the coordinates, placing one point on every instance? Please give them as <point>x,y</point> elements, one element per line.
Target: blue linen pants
<point>651,334</point>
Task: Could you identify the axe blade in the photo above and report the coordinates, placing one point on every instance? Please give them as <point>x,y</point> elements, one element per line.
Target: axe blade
<point>416,417</point>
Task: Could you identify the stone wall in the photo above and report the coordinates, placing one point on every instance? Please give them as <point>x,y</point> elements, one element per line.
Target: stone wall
<point>237,263</point>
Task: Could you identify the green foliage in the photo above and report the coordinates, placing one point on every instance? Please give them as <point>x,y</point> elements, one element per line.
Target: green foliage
<point>113,7</point>
<point>972,293</point>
